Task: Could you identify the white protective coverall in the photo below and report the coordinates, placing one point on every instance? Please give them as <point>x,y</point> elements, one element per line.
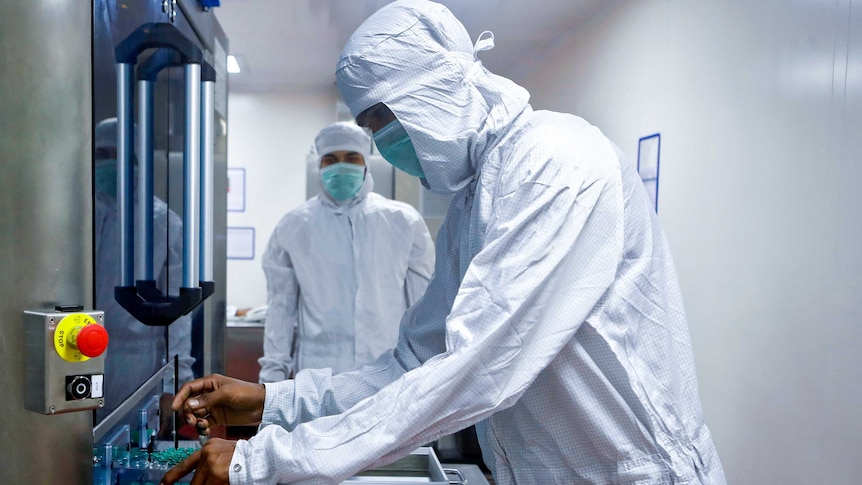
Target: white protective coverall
<point>341,274</point>
<point>554,319</point>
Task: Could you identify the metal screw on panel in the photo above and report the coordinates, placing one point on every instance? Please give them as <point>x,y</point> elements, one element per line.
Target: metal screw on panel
<point>173,15</point>
<point>101,403</point>
<point>52,409</point>
<point>165,5</point>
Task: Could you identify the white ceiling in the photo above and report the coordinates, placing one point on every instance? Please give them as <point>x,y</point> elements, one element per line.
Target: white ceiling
<point>293,45</point>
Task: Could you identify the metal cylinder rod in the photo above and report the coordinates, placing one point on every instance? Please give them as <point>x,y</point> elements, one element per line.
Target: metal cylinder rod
<point>125,187</point>
<point>144,142</point>
<point>191,175</point>
<point>207,168</point>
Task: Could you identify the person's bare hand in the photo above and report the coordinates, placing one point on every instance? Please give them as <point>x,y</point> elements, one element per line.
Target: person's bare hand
<point>211,464</point>
<point>216,399</point>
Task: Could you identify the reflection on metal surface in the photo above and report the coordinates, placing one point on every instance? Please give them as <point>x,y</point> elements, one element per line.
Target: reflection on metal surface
<point>113,22</point>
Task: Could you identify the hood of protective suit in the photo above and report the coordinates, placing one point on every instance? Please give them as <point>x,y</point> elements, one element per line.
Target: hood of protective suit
<point>417,58</point>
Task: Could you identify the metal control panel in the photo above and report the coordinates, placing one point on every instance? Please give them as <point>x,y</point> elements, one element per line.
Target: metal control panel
<point>64,360</point>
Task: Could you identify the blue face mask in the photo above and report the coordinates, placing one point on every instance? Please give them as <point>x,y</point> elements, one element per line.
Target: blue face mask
<point>343,180</point>
<point>394,144</point>
<point>106,177</point>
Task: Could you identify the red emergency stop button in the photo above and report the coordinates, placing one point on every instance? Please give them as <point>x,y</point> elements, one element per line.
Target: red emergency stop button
<point>78,337</point>
<point>92,340</point>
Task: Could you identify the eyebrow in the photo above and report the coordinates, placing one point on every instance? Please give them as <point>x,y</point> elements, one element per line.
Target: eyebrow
<point>328,158</point>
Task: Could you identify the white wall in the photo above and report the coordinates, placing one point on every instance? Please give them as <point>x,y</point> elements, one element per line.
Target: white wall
<point>758,105</point>
<point>269,135</point>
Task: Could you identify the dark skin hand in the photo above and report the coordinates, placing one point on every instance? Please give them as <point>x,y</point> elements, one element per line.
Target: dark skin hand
<point>211,401</point>
<point>210,464</point>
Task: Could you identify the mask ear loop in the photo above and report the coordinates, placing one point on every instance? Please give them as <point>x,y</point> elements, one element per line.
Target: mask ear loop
<point>484,42</point>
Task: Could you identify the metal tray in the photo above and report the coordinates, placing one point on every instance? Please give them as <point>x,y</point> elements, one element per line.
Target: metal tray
<point>420,466</point>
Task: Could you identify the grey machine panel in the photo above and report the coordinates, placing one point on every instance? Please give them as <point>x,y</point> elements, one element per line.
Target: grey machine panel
<point>46,216</point>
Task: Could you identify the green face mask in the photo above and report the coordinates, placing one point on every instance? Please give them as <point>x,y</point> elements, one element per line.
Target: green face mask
<point>106,177</point>
<point>394,144</point>
<point>343,180</point>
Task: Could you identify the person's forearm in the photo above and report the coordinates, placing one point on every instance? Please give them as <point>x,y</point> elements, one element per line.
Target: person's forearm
<point>316,392</point>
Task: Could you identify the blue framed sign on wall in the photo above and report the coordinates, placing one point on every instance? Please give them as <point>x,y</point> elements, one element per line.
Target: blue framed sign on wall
<point>649,156</point>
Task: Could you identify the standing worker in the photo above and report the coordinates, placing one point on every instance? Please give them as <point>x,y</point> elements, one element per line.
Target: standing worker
<point>342,268</point>
<point>554,320</point>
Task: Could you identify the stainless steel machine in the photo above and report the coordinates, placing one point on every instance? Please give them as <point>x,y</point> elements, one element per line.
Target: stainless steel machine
<point>61,421</point>
<point>59,80</point>
<point>45,202</point>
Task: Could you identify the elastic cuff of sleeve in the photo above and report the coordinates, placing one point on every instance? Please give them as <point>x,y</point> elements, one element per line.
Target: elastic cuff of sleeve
<point>277,393</point>
<point>239,467</point>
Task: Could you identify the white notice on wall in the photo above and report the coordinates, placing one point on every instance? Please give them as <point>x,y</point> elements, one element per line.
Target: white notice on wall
<point>235,189</point>
<point>240,243</point>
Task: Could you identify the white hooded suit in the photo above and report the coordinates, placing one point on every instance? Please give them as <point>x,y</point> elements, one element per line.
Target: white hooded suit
<point>554,319</point>
<point>341,275</point>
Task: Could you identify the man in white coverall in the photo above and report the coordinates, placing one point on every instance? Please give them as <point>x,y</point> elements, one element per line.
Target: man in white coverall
<point>553,321</point>
<point>342,268</point>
